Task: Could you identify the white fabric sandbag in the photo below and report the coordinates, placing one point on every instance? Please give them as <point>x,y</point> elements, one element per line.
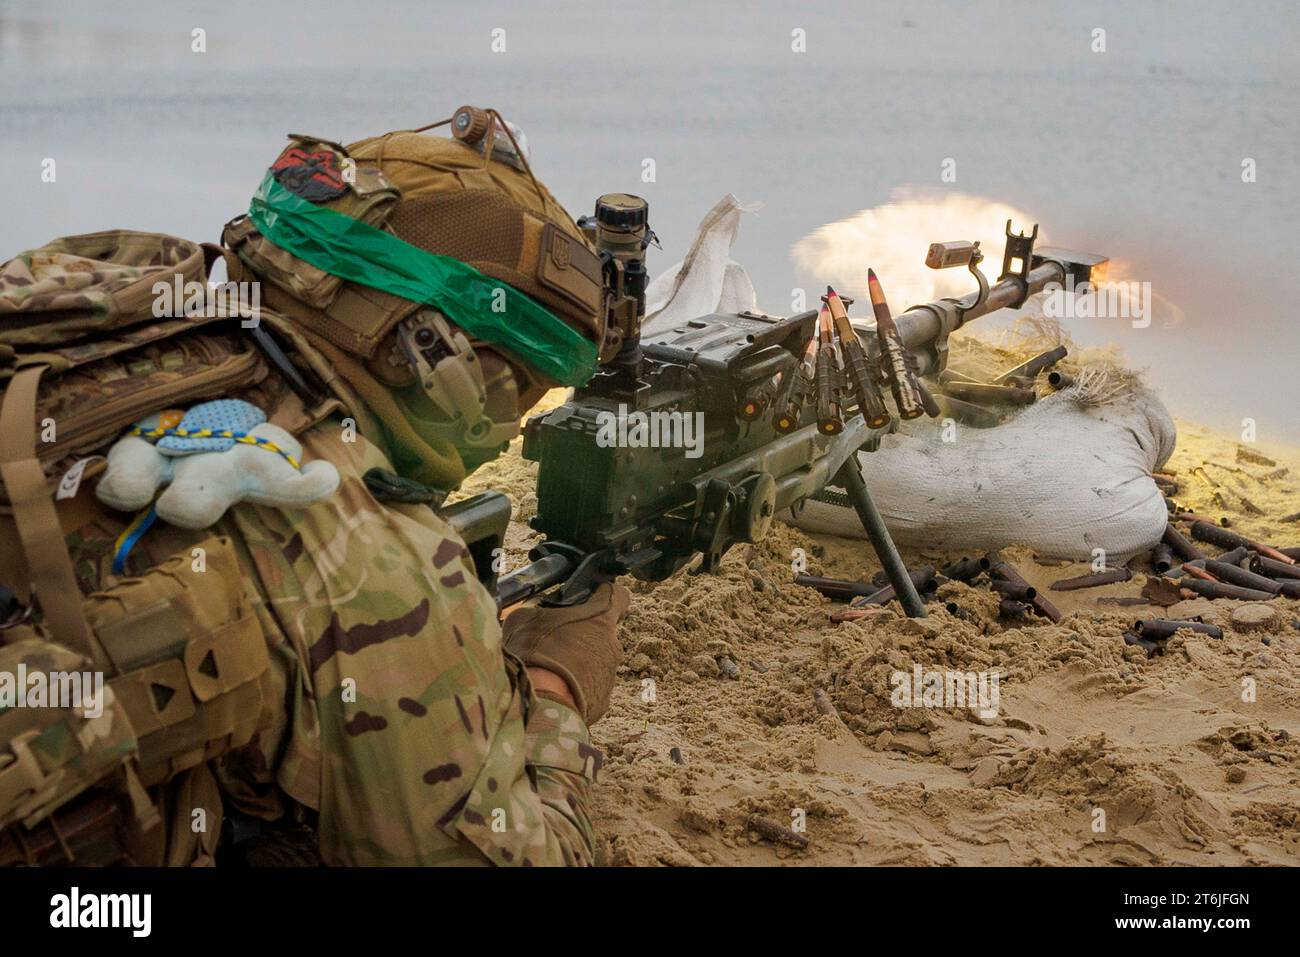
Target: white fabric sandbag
<point>1061,477</point>
<point>707,280</point>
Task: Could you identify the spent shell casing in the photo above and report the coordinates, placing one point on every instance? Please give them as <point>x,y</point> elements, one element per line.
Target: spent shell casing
<point>1180,545</point>
<point>1272,567</point>
<point>1150,647</point>
<point>989,394</point>
<point>1162,557</point>
<point>839,589</point>
<point>1030,368</point>
<point>1236,575</point>
<point>923,578</point>
<point>1108,577</point>
<point>1014,610</point>
<point>964,569</point>
<point>1155,629</point>
<point>1014,590</point>
<point>1215,589</point>
<point>1205,532</point>
<point>1236,556</point>
<point>1005,571</point>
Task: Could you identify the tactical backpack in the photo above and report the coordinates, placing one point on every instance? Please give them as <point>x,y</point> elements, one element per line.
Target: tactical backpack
<point>85,351</point>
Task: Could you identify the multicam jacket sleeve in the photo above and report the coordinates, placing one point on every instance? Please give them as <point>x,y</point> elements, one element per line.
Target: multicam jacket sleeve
<point>406,726</point>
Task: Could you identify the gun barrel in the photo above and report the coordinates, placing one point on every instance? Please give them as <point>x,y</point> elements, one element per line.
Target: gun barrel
<point>920,327</point>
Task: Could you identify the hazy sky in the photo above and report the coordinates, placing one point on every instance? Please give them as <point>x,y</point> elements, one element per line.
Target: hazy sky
<point>1135,152</point>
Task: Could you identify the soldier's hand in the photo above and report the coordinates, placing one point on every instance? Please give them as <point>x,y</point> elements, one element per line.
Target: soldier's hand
<point>578,643</point>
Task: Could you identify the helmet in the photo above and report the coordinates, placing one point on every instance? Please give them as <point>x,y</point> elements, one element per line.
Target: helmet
<point>435,270</point>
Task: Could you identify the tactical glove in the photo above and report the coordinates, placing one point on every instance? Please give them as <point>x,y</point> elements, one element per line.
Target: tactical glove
<point>579,643</point>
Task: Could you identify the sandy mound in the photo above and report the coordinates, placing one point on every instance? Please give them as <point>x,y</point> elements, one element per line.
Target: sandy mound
<point>1096,753</point>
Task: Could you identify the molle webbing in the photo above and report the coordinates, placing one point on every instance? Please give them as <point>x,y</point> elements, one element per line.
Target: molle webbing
<point>456,201</point>
<point>187,657</point>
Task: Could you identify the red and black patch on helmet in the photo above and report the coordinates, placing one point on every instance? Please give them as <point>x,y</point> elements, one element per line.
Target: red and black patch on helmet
<point>315,177</point>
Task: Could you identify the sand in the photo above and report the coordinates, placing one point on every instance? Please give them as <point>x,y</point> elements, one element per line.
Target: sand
<point>1096,754</point>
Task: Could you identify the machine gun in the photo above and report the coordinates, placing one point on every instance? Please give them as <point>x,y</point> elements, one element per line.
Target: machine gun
<point>689,440</point>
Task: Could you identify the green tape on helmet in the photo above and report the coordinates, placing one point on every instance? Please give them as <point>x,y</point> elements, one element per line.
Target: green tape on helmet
<point>484,307</point>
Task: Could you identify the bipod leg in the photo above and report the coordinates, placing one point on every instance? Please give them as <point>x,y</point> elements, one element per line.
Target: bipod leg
<point>850,476</point>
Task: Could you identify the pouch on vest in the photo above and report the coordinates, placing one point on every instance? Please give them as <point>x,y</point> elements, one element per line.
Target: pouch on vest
<point>324,173</point>
<point>186,655</point>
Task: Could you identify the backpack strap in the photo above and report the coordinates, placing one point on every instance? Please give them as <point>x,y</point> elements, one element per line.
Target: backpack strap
<point>48,563</point>
<point>235,270</point>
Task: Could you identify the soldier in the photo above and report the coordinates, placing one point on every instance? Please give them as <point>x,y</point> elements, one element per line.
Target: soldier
<point>413,730</point>
<point>396,722</point>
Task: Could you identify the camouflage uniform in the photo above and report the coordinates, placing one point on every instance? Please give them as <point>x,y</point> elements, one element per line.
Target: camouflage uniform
<point>402,721</point>
<point>390,707</point>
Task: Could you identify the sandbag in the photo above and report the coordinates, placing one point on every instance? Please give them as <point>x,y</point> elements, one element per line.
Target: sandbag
<point>707,280</point>
<point>1062,477</point>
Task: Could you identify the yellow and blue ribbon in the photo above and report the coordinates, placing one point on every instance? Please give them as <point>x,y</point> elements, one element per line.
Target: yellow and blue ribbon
<point>243,438</point>
<point>142,522</point>
<point>130,535</point>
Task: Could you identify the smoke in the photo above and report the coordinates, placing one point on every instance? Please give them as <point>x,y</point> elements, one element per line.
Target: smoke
<point>893,239</point>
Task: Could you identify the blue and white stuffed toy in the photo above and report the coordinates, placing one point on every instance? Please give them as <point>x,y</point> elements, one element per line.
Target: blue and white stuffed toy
<point>211,457</point>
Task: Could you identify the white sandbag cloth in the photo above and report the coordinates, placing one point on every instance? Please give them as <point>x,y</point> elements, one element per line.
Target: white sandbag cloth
<point>1061,478</point>
<point>707,280</point>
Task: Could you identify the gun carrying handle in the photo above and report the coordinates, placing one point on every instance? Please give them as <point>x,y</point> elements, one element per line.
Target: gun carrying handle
<point>980,278</point>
